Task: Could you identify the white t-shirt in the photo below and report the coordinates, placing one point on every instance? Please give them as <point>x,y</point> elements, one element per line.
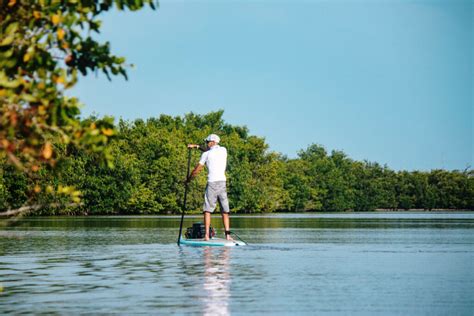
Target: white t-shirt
<point>216,160</point>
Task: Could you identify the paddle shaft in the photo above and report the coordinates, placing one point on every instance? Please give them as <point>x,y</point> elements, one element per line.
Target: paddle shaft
<point>185,195</point>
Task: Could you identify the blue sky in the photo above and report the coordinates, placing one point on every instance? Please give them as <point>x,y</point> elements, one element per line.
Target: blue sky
<point>386,81</point>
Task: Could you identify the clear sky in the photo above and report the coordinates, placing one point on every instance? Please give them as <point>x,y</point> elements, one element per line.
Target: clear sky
<point>386,81</point>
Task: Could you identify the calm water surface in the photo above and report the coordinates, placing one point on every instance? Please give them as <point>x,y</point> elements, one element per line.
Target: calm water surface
<point>369,263</point>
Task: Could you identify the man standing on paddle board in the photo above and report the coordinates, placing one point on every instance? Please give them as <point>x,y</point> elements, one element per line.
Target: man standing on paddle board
<point>215,159</point>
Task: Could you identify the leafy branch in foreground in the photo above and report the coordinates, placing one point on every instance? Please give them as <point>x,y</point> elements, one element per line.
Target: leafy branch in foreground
<point>44,46</point>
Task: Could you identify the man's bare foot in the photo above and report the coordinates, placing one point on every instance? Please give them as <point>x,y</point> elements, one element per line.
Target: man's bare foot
<point>227,235</point>
<point>206,237</point>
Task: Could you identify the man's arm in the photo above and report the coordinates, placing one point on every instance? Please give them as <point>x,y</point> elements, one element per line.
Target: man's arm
<point>195,172</point>
<point>201,148</point>
<point>199,166</point>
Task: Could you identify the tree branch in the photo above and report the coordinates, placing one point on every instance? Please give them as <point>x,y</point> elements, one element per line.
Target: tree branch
<point>27,209</point>
<point>22,210</point>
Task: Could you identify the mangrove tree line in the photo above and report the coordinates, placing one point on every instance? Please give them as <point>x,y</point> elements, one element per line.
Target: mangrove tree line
<point>148,159</point>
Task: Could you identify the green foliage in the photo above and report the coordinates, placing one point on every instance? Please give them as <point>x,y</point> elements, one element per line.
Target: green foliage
<point>303,193</point>
<point>44,45</point>
<point>14,186</point>
<point>150,157</point>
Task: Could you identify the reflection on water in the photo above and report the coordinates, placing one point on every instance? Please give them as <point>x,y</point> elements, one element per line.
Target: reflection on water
<point>216,281</point>
<point>371,264</point>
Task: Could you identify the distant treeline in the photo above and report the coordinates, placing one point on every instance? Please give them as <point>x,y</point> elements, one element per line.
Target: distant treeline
<point>149,159</point>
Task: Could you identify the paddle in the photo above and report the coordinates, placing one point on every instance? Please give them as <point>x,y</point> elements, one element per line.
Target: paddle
<point>185,196</point>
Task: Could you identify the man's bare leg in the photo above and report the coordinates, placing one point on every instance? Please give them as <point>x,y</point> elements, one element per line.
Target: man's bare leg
<point>207,224</point>
<point>226,221</point>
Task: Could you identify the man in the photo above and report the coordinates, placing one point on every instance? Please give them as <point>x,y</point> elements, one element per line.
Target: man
<point>215,159</point>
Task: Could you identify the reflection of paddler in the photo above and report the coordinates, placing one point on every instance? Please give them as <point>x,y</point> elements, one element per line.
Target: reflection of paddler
<point>217,281</point>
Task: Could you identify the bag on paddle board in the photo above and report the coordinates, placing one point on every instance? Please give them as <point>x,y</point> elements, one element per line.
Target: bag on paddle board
<point>198,231</point>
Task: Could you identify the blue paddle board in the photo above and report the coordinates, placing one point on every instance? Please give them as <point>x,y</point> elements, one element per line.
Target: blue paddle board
<point>216,242</point>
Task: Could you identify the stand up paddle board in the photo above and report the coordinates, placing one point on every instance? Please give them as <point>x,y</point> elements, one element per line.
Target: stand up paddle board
<point>214,241</point>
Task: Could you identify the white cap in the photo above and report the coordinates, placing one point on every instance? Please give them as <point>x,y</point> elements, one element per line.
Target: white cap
<point>213,138</point>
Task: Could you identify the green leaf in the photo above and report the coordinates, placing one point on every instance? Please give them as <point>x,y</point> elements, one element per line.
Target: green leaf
<point>5,82</point>
<point>7,40</point>
<point>29,98</point>
<point>12,28</point>
<point>6,54</point>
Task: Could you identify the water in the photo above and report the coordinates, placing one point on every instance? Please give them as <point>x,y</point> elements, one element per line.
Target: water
<point>370,263</point>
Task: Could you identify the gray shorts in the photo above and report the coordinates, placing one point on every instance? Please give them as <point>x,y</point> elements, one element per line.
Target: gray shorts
<point>216,191</point>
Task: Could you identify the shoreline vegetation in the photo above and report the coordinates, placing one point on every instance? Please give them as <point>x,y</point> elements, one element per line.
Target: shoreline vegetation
<point>149,159</point>
<point>198,214</point>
